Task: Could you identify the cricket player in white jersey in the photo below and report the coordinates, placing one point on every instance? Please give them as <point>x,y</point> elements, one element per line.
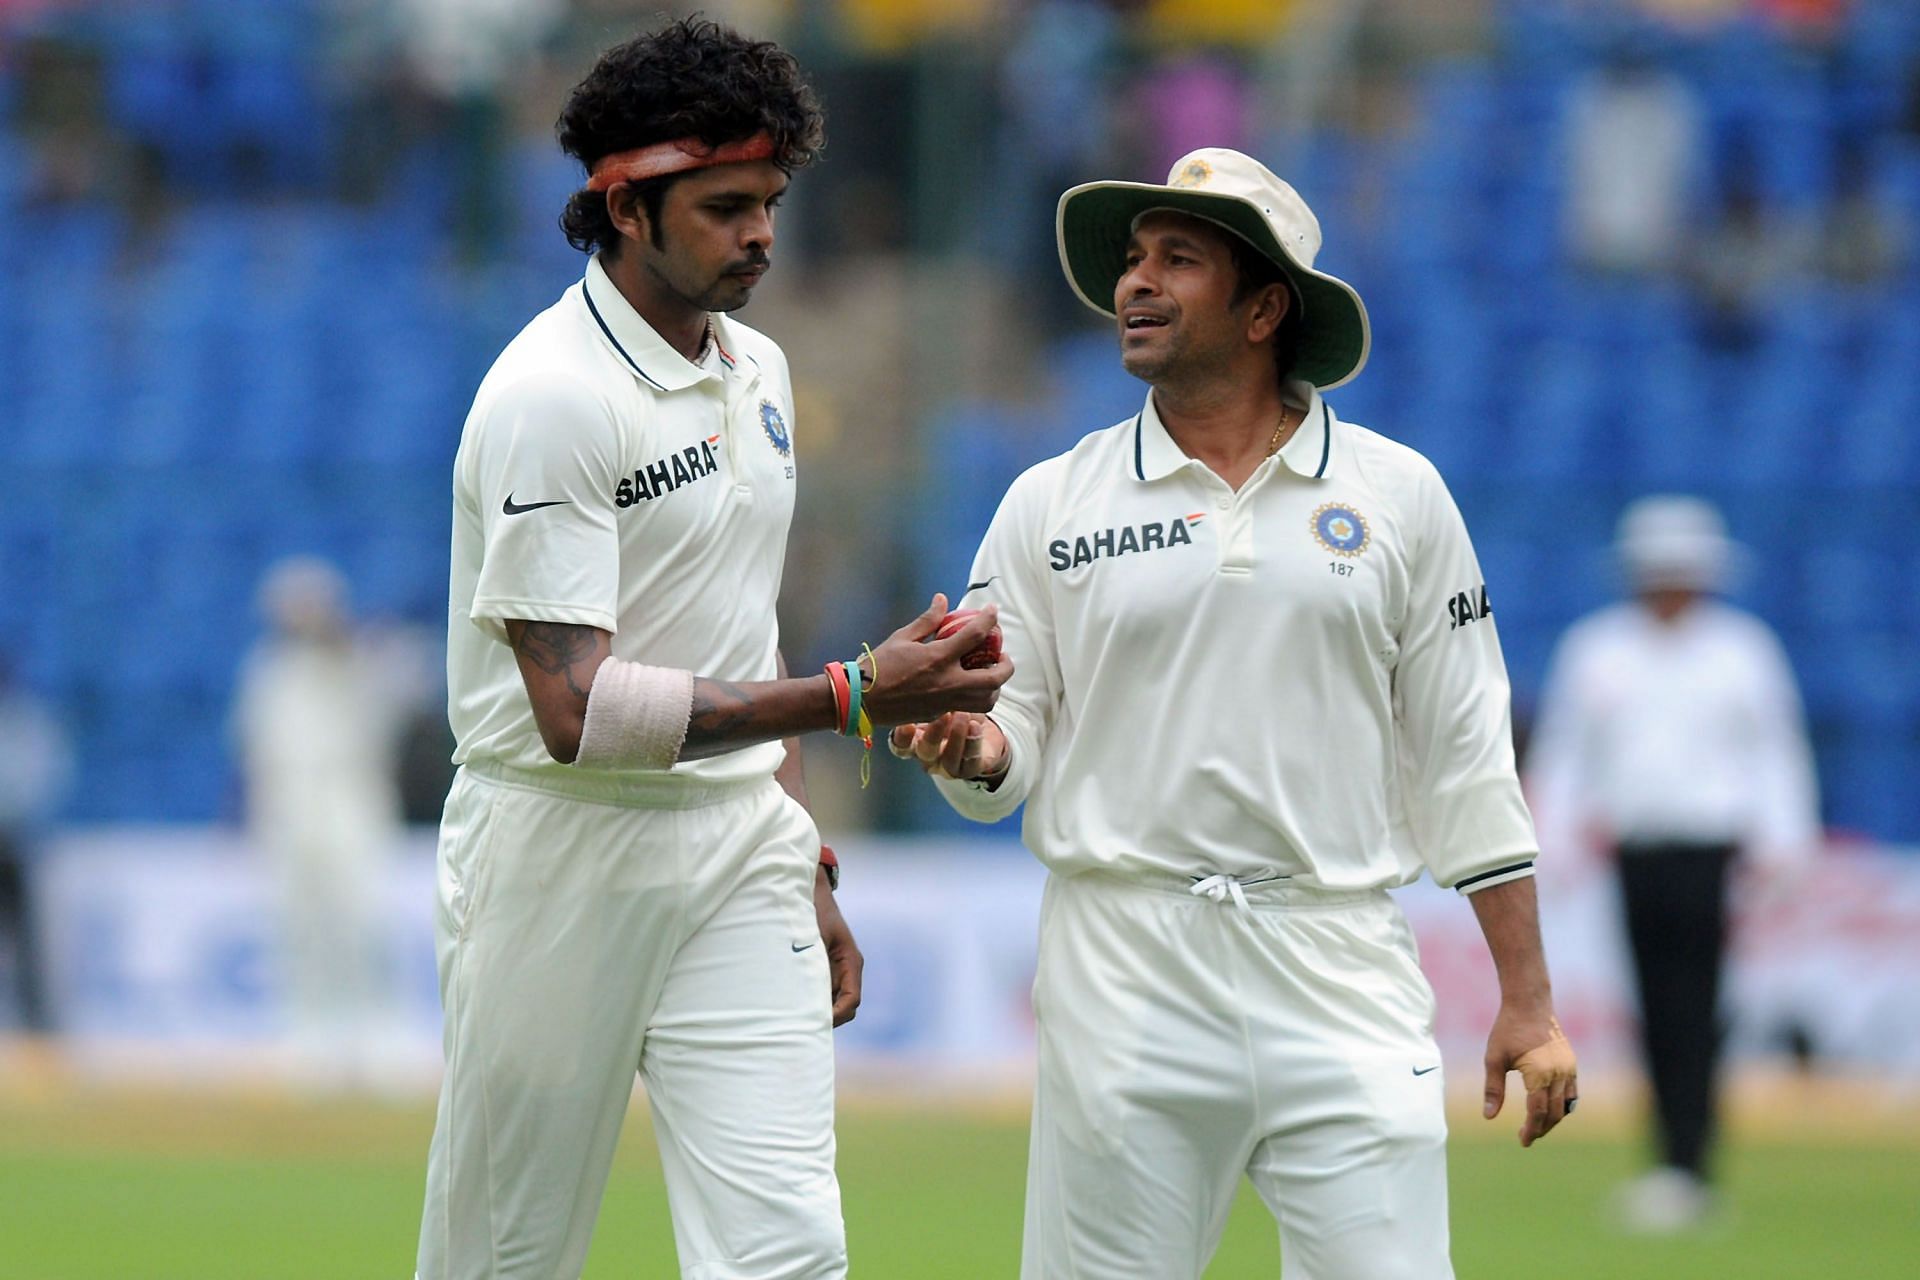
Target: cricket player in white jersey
<point>628,877</point>
<point>1257,686</point>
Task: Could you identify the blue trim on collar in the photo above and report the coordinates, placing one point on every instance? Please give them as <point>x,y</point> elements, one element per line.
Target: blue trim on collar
<point>1326,442</point>
<point>598,319</point>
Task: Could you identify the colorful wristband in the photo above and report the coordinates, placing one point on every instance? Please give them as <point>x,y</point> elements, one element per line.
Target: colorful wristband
<point>832,865</point>
<point>859,724</point>
<point>837,682</point>
<point>855,716</point>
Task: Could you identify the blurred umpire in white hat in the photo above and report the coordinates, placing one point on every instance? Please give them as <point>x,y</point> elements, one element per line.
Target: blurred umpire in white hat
<point>1671,736</point>
<point>1256,685</point>
<point>315,730</point>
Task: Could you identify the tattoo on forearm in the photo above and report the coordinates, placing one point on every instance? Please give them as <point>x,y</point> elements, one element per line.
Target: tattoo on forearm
<point>555,647</point>
<point>720,709</point>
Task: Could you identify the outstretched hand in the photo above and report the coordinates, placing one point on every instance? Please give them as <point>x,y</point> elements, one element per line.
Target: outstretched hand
<point>1533,1045</point>
<point>918,677</point>
<point>959,744</point>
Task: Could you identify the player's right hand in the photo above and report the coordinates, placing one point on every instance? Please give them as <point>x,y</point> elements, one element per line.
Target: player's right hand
<point>958,745</point>
<point>918,677</point>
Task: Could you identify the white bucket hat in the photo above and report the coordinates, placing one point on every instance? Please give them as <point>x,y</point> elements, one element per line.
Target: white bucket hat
<point>1242,195</point>
<point>1670,540</point>
<point>304,595</point>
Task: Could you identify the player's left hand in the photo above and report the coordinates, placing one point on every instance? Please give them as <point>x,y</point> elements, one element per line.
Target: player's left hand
<point>844,960</point>
<point>1531,1042</point>
<point>959,744</point>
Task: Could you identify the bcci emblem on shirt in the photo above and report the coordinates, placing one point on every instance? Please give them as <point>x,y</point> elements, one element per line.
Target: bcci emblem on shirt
<point>1340,529</point>
<point>776,428</point>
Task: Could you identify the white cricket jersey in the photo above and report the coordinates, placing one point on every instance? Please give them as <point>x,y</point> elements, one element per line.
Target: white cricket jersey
<point>604,479</point>
<point>1298,679</point>
<point>317,742</point>
<point>1689,730</point>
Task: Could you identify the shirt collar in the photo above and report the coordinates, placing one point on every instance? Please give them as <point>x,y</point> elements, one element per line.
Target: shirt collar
<point>635,341</point>
<point>1308,452</point>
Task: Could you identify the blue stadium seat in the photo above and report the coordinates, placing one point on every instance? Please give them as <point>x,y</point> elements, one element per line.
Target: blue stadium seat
<point>1089,386</point>
<point>975,452</point>
<point>308,364</point>
<point>1664,427</point>
<point>1865,781</point>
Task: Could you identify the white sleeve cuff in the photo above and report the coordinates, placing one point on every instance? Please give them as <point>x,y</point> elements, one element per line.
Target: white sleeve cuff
<point>1499,875</point>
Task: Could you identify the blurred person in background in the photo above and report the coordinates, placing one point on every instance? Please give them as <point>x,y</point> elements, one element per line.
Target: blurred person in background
<point>630,880</point>
<point>36,766</point>
<point>1739,260</point>
<point>315,729</point>
<point>1257,686</point>
<point>1861,242</point>
<point>441,73</point>
<point>1671,734</point>
<point>1056,121</point>
<point>1634,144</point>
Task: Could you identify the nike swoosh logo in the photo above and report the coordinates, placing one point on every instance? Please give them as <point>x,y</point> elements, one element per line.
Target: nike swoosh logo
<point>1420,1072</point>
<point>512,508</point>
<point>977,586</point>
<point>797,948</point>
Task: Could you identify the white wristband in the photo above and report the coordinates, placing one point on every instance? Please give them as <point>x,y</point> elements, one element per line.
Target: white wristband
<point>636,717</point>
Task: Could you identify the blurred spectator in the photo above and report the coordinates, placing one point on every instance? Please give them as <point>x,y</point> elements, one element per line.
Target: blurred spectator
<point>35,768</point>
<point>1055,95</point>
<point>1861,242</point>
<point>59,112</point>
<point>1196,100</point>
<point>1810,21</point>
<point>316,734</point>
<point>1696,14</point>
<point>433,77</point>
<point>1634,139</point>
<point>464,52</point>
<point>1738,262</point>
<point>1671,732</point>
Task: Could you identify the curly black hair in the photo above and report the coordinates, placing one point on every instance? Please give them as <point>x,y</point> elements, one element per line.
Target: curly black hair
<point>691,79</point>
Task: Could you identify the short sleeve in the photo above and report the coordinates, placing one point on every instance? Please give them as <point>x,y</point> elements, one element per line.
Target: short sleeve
<point>1560,758</point>
<point>544,463</point>
<point>1453,713</point>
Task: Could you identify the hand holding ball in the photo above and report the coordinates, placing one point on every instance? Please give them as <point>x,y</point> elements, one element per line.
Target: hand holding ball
<point>988,652</point>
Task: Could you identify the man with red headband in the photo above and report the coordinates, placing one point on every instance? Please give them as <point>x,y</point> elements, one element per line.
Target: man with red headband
<point>628,877</point>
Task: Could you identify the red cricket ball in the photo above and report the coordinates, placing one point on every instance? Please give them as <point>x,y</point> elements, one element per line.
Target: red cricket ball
<point>986,654</point>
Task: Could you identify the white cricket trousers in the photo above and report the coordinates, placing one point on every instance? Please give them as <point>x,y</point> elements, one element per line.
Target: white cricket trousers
<point>1282,1033</point>
<point>580,941</point>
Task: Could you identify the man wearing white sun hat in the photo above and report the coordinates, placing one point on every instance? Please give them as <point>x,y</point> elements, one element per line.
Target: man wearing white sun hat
<point>1256,686</point>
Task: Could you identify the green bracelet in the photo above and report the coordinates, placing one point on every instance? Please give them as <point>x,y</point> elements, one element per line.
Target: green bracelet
<point>852,729</point>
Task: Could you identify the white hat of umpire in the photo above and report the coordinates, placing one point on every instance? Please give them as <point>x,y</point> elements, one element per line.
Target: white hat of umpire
<point>1243,196</point>
<point>1672,540</point>
<point>304,596</point>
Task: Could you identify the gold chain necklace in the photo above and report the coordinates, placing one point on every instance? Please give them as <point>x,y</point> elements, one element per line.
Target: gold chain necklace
<point>1273,444</point>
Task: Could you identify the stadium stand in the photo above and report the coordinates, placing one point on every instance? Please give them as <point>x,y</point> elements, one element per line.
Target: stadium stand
<point>290,374</point>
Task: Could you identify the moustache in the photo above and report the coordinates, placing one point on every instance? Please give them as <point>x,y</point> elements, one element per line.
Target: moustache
<point>754,262</point>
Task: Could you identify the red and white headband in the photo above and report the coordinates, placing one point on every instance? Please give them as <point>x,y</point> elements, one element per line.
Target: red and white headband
<point>678,156</point>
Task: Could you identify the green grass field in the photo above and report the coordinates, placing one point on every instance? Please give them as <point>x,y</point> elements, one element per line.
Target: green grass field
<point>113,1186</point>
